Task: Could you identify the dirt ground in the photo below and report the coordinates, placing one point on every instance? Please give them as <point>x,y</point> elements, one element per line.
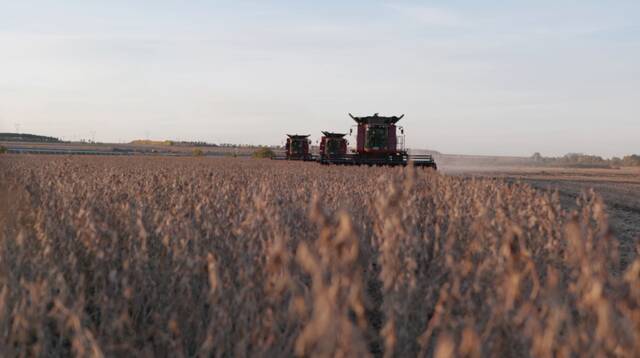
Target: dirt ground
<point>620,189</point>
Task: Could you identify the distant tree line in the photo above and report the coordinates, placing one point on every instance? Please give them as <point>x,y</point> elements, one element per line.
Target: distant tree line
<point>152,142</point>
<point>23,137</point>
<point>627,161</point>
<point>174,143</point>
<point>579,160</point>
<point>231,145</point>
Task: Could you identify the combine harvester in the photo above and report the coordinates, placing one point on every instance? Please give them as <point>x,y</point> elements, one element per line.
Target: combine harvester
<point>377,143</point>
<point>332,146</point>
<point>297,147</point>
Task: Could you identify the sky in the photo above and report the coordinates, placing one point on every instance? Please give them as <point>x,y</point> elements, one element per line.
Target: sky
<point>472,77</point>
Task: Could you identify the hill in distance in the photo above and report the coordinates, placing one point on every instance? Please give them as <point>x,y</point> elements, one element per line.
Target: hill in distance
<point>24,137</point>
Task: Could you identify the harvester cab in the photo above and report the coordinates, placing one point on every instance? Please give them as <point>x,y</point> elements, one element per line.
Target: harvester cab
<point>378,143</point>
<point>377,135</point>
<point>332,146</point>
<point>297,147</point>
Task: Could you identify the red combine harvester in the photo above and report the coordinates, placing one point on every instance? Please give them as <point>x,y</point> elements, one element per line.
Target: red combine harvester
<point>378,143</point>
<point>297,148</point>
<point>332,146</point>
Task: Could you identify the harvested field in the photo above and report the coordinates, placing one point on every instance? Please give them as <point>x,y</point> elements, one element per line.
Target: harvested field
<point>236,257</point>
<point>619,189</point>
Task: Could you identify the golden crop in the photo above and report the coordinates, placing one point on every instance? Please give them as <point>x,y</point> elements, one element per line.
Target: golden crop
<point>228,257</point>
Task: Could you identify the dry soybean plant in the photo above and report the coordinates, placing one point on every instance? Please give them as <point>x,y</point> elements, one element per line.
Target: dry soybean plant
<point>231,257</point>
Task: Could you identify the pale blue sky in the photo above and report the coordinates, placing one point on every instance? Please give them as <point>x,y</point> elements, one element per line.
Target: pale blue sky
<point>472,77</point>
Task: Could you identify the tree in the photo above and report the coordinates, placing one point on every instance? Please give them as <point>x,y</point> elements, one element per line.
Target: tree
<point>264,153</point>
<point>537,157</point>
<point>198,152</point>
<point>631,160</point>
